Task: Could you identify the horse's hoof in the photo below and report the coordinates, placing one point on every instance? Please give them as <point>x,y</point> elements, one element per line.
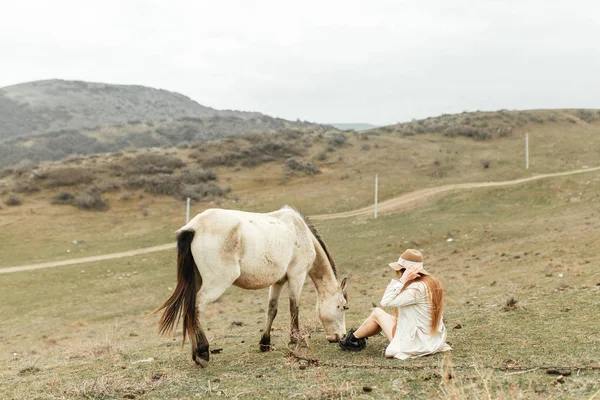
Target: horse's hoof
<point>201,357</point>
<point>265,347</point>
<point>201,362</point>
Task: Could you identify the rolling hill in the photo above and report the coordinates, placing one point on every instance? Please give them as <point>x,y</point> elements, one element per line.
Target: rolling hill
<point>353,126</point>
<point>51,119</point>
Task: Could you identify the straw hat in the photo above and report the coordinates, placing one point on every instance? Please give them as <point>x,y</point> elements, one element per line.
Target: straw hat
<point>409,258</point>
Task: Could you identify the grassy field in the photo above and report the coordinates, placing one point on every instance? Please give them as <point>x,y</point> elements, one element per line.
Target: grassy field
<point>79,331</point>
<point>83,331</point>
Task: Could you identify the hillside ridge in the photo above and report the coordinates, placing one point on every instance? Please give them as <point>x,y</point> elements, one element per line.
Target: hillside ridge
<point>55,104</point>
<point>51,119</point>
<point>485,125</point>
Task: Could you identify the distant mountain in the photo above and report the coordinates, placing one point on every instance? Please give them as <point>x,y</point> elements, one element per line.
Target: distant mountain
<point>353,127</point>
<point>48,120</point>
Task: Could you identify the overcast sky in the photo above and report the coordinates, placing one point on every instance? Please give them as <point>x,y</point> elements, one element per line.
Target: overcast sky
<point>374,61</point>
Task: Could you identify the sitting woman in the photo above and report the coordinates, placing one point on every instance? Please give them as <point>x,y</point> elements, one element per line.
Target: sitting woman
<point>417,328</point>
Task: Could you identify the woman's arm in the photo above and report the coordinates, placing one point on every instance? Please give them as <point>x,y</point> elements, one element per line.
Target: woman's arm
<point>393,298</point>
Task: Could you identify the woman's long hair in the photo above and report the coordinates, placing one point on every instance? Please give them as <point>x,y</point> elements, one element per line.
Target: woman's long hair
<point>435,293</point>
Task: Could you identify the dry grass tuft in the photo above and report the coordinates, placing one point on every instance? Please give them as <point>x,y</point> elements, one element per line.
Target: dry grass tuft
<point>105,349</point>
<point>512,304</point>
<point>456,386</point>
<point>112,386</point>
<point>326,388</point>
<point>29,370</point>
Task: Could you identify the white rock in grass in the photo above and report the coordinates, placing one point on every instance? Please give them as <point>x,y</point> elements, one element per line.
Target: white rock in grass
<point>146,360</point>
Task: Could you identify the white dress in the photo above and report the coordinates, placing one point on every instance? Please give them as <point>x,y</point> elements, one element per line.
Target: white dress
<point>413,337</point>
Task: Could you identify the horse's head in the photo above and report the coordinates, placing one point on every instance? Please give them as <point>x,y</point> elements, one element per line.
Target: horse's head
<point>331,309</point>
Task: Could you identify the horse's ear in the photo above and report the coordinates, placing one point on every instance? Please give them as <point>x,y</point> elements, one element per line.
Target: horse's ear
<point>343,284</point>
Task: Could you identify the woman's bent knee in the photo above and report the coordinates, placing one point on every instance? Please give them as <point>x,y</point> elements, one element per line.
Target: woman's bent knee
<point>377,313</point>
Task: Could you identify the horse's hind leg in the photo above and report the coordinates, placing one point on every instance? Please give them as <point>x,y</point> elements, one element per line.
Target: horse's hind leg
<point>274,292</point>
<point>212,288</point>
<point>200,354</point>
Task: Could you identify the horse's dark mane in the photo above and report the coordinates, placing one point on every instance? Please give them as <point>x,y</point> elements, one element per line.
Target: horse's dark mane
<point>319,238</point>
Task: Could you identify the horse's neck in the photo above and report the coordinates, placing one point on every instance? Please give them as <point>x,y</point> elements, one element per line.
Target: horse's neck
<point>322,273</point>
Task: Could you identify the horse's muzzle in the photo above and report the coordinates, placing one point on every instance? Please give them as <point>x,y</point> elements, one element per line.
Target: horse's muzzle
<point>334,338</point>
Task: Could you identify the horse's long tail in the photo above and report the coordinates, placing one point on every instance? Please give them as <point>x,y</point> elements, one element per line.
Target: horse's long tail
<point>183,299</point>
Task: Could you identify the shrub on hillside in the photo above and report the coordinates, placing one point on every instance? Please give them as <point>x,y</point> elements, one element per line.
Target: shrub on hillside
<point>149,164</point>
<point>537,119</point>
<point>74,159</point>
<point>468,131</point>
<point>23,167</point>
<point>228,159</point>
<point>195,176</point>
<point>25,186</point>
<point>587,115</point>
<point>90,201</point>
<point>66,176</point>
<point>63,197</point>
<point>6,172</point>
<point>259,153</point>
<point>293,165</point>
<point>107,186</point>
<point>337,140</point>
<point>159,184</point>
<point>203,190</point>
<point>195,154</point>
<point>256,161</point>
<point>13,200</point>
<point>291,133</point>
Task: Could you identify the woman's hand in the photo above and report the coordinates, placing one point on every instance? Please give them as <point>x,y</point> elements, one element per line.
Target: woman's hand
<point>409,274</point>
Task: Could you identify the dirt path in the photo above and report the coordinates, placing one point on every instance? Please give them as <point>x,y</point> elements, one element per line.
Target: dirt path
<point>413,199</point>
<point>101,257</point>
<point>395,204</point>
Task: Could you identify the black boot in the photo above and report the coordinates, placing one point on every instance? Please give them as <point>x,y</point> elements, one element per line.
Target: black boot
<point>351,343</point>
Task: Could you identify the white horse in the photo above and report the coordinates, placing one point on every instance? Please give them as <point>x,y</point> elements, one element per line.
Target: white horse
<point>219,248</point>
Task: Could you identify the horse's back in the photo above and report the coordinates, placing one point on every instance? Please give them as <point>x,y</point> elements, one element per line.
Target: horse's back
<point>259,246</point>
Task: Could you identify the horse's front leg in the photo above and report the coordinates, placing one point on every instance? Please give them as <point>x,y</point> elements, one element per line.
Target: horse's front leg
<point>295,288</point>
<point>274,292</point>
